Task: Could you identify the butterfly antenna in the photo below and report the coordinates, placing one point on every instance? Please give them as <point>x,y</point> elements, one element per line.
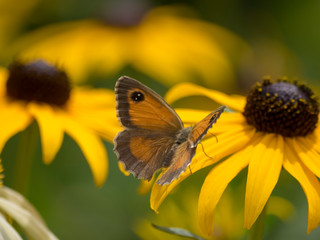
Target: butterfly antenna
<point>204,151</point>
<point>190,169</point>
<point>214,136</point>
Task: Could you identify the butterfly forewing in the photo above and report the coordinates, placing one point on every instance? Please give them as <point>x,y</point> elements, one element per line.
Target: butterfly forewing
<point>201,128</point>
<point>140,107</point>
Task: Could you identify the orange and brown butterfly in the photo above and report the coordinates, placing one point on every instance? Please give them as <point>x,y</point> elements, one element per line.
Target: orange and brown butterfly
<point>154,136</point>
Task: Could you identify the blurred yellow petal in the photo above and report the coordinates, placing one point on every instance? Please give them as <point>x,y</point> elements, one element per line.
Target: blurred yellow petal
<point>51,130</point>
<point>13,119</point>
<point>160,45</point>
<point>309,183</point>
<point>91,146</point>
<point>145,186</point>
<point>188,89</point>
<point>280,207</point>
<point>121,168</point>
<point>97,113</point>
<point>228,143</point>
<point>166,56</point>
<point>100,49</point>
<point>264,170</point>
<point>3,80</point>
<point>215,184</point>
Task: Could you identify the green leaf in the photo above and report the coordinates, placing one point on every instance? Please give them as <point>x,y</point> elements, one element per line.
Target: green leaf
<point>177,231</point>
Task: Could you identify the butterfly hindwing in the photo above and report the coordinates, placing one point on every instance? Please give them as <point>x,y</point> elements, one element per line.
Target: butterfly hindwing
<point>179,163</point>
<point>143,152</point>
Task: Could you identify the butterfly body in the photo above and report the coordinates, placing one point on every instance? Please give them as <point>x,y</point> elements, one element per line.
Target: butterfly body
<point>154,136</point>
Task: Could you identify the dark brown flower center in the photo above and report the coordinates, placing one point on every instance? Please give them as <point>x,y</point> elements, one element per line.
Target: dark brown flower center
<point>38,81</point>
<point>289,109</point>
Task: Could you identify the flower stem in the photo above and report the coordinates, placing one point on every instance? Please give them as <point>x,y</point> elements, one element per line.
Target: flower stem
<point>24,160</point>
<point>256,232</point>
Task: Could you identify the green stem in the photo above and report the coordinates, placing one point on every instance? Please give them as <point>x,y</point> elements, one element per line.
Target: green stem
<point>24,160</point>
<point>256,232</point>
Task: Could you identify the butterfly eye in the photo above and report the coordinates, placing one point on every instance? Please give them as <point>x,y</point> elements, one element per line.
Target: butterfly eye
<point>137,96</point>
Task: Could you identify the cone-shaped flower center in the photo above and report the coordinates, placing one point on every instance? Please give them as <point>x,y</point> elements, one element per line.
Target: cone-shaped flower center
<point>38,81</point>
<point>289,109</point>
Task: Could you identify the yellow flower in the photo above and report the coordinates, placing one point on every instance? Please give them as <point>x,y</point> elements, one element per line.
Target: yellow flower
<point>275,127</point>
<point>160,46</point>
<point>181,212</point>
<point>41,92</point>
<point>13,205</point>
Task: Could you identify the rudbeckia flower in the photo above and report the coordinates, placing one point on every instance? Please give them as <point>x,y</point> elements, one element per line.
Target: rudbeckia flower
<point>13,206</point>
<point>274,128</point>
<point>160,45</point>
<point>40,92</point>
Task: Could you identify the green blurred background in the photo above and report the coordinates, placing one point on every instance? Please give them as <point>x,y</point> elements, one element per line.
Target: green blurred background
<point>282,39</point>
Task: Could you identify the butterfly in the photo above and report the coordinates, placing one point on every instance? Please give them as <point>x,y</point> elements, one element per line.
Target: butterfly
<point>154,136</point>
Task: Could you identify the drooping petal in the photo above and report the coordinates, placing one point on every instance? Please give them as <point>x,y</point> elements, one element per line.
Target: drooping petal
<point>13,119</point>
<point>17,199</point>
<point>308,155</point>
<point>308,182</point>
<point>228,143</point>
<point>188,89</point>
<point>217,181</point>
<point>91,146</point>
<point>51,130</point>
<point>263,174</point>
<point>7,231</point>
<point>19,211</point>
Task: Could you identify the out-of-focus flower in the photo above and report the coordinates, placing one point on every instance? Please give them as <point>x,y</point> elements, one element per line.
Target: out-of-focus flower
<point>183,214</point>
<point>13,206</point>
<point>165,45</point>
<point>275,126</point>
<point>38,91</point>
<point>12,16</point>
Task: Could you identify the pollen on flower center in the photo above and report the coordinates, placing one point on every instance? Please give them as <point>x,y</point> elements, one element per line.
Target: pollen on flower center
<point>38,81</point>
<point>289,109</point>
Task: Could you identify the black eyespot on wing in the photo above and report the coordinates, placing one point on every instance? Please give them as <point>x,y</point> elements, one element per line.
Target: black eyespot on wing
<point>137,96</point>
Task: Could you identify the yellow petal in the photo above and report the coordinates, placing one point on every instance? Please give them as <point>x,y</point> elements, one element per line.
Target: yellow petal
<point>188,89</point>
<point>3,81</point>
<point>263,174</point>
<point>308,182</point>
<point>14,118</point>
<point>145,186</point>
<point>194,116</point>
<point>306,152</point>
<point>228,143</point>
<point>96,109</point>
<point>149,51</point>
<point>215,184</point>
<point>216,148</point>
<point>51,130</point>
<point>91,146</point>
